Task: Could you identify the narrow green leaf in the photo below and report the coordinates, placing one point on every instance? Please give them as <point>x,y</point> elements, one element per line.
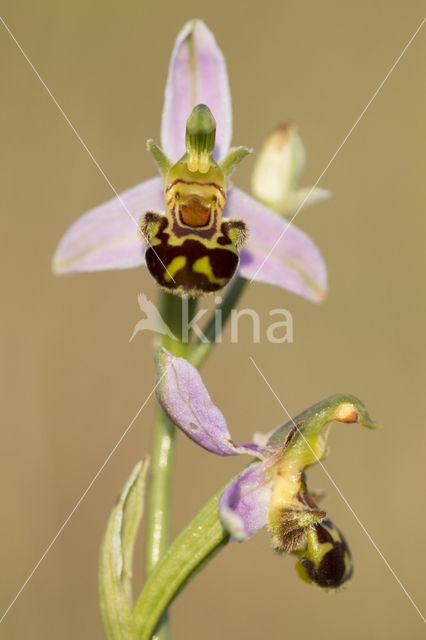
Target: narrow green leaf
<point>193,548</point>
<point>132,516</point>
<point>116,556</point>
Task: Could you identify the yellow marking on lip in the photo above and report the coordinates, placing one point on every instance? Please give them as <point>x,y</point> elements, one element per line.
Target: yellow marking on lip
<point>176,264</point>
<point>319,549</point>
<point>203,265</point>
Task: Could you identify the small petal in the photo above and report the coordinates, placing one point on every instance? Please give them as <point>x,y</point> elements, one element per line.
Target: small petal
<point>197,75</point>
<point>277,252</point>
<point>244,505</point>
<point>233,159</point>
<point>185,399</point>
<point>106,237</point>
<point>161,160</point>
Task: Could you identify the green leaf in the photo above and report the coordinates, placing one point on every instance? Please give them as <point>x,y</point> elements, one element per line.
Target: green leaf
<point>188,554</point>
<point>116,557</point>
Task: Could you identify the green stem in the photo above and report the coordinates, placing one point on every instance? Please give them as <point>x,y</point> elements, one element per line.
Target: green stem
<point>158,518</point>
<point>194,547</point>
<point>159,502</point>
<point>201,349</point>
<point>173,309</point>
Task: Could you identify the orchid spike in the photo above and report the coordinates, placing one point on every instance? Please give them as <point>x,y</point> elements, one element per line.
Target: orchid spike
<point>271,491</point>
<point>107,236</point>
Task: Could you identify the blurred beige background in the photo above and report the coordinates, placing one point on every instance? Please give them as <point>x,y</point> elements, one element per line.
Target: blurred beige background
<point>71,382</point>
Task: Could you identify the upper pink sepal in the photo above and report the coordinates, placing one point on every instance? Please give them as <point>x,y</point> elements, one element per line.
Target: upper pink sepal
<point>197,75</point>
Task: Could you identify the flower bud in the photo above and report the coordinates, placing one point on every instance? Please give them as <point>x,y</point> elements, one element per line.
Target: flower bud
<point>279,167</point>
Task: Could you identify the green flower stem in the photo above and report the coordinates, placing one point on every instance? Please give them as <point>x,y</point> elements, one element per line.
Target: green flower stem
<point>200,351</point>
<point>159,502</point>
<point>194,547</point>
<point>173,309</point>
<point>158,519</point>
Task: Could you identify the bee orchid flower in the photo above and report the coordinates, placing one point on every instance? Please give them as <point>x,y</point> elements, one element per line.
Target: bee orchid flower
<point>272,490</point>
<point>108,236</point>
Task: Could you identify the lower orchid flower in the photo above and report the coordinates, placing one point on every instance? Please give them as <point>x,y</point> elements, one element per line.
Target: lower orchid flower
<point>271,491</point>
<point>107,236</point>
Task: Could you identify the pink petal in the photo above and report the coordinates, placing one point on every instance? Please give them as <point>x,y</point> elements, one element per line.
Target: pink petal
<point>295,263</point>
<point>185,399</point>
<point>197,74</point>
<point>106,237</point>
<point>244,505</point>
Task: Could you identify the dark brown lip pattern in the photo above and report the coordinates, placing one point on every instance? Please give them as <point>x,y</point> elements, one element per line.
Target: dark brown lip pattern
<point>223,261</point>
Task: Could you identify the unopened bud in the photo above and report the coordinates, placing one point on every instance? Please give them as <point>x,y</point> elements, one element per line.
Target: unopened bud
<point>279,167</point>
